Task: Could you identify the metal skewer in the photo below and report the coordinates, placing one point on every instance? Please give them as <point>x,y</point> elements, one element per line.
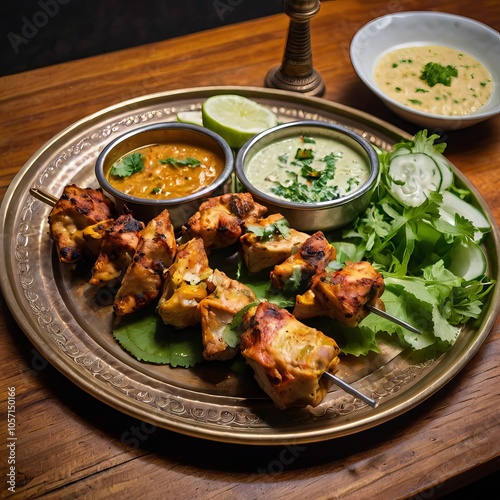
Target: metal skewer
<point>392,318</point>
<point>41,195</point>
<point>351,390</point>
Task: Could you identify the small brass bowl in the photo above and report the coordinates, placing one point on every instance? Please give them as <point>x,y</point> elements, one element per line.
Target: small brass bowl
<point>180,209</point>
<point>313,216</point>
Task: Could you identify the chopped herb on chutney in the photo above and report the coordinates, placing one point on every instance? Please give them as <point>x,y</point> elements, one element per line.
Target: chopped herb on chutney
<point>312,184</point>
<point>307,140</point>
<point>304,154</point>
<point>434,73</point>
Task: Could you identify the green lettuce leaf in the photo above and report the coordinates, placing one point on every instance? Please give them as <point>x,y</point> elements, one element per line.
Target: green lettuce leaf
<point>148,339</point>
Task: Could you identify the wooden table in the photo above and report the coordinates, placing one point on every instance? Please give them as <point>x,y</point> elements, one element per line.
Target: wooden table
<point>70,444</point>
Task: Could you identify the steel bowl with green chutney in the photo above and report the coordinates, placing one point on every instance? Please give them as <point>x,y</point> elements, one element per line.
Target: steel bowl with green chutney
<point>318,175</point>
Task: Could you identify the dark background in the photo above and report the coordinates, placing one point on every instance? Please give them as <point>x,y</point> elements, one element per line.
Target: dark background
<point>37,33</point>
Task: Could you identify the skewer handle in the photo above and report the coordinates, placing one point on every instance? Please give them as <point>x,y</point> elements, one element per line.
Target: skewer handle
<point>351,390</point>
<point>41,195</point>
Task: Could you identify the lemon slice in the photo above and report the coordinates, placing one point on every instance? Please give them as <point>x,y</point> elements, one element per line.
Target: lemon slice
<point>236,118</point>
<point>191,117</point>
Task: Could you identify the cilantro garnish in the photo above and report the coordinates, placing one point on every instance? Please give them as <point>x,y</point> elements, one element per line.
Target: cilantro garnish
<point>307,140</point>
<point>129,165</point>
<point>283,158</point>
<point>434,73</point>
<point>178,162</point>
<point>312,184</point>
<point>304,154</point>
<point>280,227</point>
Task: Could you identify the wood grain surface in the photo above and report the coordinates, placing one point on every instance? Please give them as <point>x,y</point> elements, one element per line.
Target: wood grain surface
<point>71,445</point>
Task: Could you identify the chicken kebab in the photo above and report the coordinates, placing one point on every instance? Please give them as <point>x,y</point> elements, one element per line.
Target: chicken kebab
<point>151,266</point>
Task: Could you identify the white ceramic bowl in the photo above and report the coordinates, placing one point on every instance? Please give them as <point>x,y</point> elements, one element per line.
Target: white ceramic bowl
<point>404,29</point>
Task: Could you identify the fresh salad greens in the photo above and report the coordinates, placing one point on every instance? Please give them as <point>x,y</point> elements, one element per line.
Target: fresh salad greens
<point>433,267</point>
<point>419,232</point>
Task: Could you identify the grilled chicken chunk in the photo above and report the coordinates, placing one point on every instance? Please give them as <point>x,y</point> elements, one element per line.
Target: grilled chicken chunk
<point>226,299</point>
<point>77,209</point>
<point>264,246</point>
<point>288,357</point>
<point>185,285</point>
<point>117,250</point>
<point>143,279</point>
<point>307,306</point>
<point>220,220</point>
<point>312,257</point>
<point>91,237</point>
<point>342,294</point>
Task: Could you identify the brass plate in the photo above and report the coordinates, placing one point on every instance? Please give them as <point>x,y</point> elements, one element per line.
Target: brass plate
<point>72,330</point>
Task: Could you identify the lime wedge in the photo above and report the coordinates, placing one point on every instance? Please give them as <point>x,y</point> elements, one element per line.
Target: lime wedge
<point>191,117</point>
<point>236,118</point>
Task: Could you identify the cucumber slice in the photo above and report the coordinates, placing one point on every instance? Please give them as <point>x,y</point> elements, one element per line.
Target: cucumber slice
<point>467,260</point>
<point>446,171</point>
<point>452,205</point>
<point>413,177</point>
<point>401,151</point>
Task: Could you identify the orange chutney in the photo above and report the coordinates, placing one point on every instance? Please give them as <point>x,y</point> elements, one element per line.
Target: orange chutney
<point>167,171</point>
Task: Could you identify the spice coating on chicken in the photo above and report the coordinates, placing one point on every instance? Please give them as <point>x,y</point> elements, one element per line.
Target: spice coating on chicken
<point>307,306</point>
<point>91,237</point>
<point>220,220</point>
<point>343,294</point>
<point>226,299</point>
<point>288,357</point>
<point>263,252</point>
<point>75,210</point>
<point>185,285</point>
<point>117,250</point>
<point>312,257</point>
<point>143,279</point>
